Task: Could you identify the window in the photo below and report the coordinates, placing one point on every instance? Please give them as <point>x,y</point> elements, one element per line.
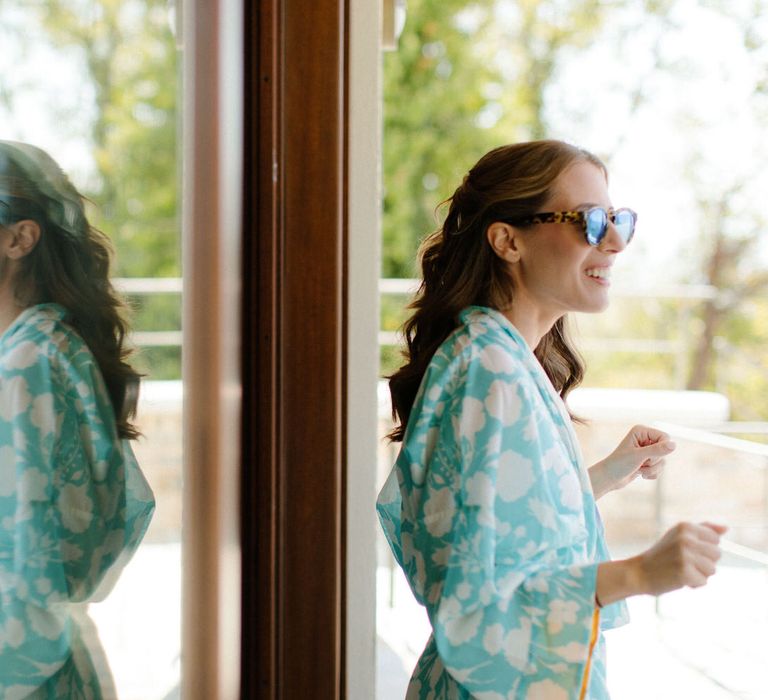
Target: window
<point>671,95</point>
<point>98,89</point>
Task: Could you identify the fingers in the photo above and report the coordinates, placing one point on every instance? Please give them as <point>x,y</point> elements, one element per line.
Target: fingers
<point>657,450</point>
<point>699,532</point>
<point>686,555</point>
<point>705,566</point>
<point>701,551</point>
<point>697,577</point>
<point>644,435</point>
<point>652,469</point>
<point>710,532</point>
<point>719,529</point>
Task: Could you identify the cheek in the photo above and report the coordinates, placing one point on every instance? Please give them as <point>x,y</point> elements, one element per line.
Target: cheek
<point>565,261</point>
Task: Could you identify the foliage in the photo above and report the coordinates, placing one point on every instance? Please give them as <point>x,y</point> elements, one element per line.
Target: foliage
<point>468,76</point>
<point>128,62</point>
<point>129,56</point>
<point>435,86</point>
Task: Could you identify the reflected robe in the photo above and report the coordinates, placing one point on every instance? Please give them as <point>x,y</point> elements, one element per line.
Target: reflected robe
<point>73,504</point>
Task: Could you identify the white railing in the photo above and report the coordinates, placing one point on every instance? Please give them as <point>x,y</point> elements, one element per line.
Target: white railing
<point>148,286</point>
<point>687,295</point>
<point>734,633</point>
<point>393,286</point>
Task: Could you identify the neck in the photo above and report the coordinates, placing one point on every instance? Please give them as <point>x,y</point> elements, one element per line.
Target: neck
<point>9,307</point>
<point>531,321</point>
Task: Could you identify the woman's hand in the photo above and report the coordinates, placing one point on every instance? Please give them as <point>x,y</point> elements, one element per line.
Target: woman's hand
<point>640,453</point>
<point>685,556</point>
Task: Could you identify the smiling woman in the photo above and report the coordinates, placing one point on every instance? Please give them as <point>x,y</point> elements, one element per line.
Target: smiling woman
<point>489,508</point>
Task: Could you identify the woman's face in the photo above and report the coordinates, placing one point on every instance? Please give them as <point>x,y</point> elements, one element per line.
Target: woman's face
<point>558,270</point>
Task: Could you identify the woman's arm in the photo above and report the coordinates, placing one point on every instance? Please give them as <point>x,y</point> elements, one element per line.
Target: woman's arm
<point>685,556</point>
<point>640,453</point>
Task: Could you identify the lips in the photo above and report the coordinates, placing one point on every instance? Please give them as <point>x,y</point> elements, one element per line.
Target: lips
<point>603,273</point>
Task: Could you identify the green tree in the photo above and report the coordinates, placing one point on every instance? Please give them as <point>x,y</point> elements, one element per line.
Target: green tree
<point>129,65</point>
<point>130,61</point>
<point>435,86</point>
<point>465,77</point>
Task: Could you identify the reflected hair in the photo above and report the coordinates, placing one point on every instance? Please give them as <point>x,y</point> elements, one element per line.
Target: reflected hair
<point>460,269</point>
<point>70,266</point>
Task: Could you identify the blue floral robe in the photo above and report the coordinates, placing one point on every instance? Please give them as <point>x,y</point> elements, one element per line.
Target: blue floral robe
<point>490,512</point>
<point>73,504</point>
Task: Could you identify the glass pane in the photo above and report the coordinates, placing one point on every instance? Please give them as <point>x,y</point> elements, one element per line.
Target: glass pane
<point>94,83</point>
<point>683,342</point>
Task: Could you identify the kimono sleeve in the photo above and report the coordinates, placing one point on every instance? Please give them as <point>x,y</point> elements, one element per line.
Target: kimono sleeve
<point>34,638</point>
<point>70,503</point>
<point>496,533</point>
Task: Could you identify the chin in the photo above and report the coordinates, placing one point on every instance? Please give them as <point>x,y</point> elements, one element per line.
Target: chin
<point>595,306</point>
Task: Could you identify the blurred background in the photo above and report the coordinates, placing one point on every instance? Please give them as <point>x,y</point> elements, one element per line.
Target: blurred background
<point>96,83</point>
<point>672,94</point>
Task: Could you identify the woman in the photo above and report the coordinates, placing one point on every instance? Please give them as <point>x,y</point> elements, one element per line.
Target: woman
<point>489,509</point>
<point>73,503</point>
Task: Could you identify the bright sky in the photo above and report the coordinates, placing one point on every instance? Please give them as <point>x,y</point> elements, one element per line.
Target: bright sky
<point>697,119</point>
<point>52,105</point>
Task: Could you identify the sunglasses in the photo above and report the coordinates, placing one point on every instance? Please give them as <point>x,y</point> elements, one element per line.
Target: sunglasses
<point>594,222</point>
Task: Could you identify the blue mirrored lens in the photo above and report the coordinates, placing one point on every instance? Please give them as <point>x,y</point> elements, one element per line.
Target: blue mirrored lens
<point>597,221</point>
<point>625,224</point>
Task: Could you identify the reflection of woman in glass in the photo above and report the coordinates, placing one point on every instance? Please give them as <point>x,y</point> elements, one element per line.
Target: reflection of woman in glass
<point>73,503</point>
<point>489,509</point>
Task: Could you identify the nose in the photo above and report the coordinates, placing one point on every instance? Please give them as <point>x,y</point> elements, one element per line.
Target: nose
<point>612,242</point>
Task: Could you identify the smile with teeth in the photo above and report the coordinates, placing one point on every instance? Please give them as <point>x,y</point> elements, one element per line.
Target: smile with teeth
<point>603,273</point>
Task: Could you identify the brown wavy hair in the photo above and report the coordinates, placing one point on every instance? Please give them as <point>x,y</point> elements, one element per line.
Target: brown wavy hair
<point>460,269</point>
<point>71,268</point>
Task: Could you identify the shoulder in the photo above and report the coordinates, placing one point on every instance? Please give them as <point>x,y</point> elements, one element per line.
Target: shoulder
<point>28,344</point>
<point>42,346</point>
<point>483,356</point>
<point>484,344</point>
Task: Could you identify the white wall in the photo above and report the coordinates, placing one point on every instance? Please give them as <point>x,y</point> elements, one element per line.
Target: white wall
<point>362,349</point>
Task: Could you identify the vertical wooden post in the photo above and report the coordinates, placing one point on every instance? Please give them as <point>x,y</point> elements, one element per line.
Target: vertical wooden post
<point>293,351</point>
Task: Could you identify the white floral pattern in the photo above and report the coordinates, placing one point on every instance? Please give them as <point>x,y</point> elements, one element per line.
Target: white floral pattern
<point>73,504</point>
<point>490,513</point>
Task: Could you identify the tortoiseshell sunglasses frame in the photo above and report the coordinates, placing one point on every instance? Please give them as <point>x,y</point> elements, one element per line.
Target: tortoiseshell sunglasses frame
<point>578,217</point>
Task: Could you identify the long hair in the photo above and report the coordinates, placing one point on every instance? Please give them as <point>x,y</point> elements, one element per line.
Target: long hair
<point>70,266</point>
<point>460,269</point>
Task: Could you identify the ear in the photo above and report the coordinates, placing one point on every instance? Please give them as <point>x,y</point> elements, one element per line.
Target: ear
<point>25,235</point>
<point>505,241</point>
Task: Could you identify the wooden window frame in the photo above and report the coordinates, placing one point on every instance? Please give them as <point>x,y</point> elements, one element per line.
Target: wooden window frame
<point>294,350</point>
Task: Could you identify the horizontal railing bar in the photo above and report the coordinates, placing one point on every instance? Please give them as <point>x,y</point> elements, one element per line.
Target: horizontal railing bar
<point>743,552</point>
<point>716,440</point>
<point>148,285</point>
<point>391,285</point>
<point>640,346</point>
<point>390,338</point>
<point>693,292</point>
<point>749,427</point>
<point>157,338</point>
